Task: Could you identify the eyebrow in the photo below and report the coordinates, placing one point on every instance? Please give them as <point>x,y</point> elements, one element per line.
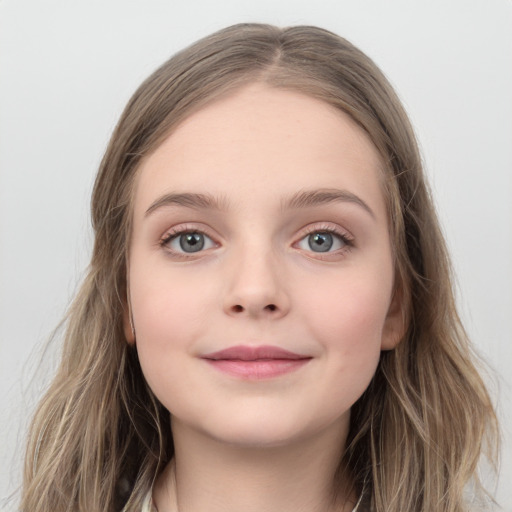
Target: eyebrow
<point>301,199</point>
<point>189,200</point>
<point>311,198</point>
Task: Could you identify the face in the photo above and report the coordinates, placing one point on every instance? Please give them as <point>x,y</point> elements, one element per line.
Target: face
<point>261,270</point>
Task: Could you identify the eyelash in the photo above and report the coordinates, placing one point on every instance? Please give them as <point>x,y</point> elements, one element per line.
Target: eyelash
<point>175,232</point>
<point>346,238</point>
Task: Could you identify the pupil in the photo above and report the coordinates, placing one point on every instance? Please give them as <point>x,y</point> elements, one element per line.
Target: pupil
<point>320,242</point>
<point>192,242</point>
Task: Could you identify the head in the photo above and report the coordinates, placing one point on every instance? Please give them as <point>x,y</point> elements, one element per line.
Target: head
<point>307,60</point>
<point>395,423</point>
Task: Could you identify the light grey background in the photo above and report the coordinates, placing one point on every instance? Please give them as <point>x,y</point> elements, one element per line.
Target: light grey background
<point>68,67</point>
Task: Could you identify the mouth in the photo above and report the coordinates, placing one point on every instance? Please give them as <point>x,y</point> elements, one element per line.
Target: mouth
<point>254,363</point>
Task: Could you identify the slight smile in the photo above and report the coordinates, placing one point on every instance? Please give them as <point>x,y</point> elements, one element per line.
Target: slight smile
<point>255,363</point>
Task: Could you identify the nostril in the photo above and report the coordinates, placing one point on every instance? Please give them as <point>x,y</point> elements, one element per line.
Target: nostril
<point>237,308</point>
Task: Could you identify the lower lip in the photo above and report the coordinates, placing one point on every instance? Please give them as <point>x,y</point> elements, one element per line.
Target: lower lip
<point>259,369</point>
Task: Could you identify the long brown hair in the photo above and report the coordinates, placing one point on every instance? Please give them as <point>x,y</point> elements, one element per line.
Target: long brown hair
<point>100,437</point>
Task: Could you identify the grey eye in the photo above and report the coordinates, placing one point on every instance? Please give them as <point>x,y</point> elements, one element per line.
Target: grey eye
<point>320,242</point>
<point>189,242</point>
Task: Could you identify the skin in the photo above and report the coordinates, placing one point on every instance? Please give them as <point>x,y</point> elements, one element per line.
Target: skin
<point>268,444</point>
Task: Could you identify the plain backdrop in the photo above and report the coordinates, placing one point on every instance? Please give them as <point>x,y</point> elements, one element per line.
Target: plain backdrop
<point>67,67</point>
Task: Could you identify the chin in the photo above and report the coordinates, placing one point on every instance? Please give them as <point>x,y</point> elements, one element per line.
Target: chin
<point>262,430</point>
<point>256,437</point>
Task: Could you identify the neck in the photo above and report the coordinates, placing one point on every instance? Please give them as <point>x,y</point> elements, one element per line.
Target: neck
<point>210,475</point>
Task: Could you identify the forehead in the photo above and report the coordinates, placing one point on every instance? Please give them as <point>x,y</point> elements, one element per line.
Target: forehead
<point>262,140</point>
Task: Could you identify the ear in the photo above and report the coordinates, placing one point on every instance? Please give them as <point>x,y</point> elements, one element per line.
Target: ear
<point>395,324</point>
<point>129,329</point>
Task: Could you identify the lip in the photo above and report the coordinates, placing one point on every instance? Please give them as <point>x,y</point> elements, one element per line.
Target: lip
<point>261,362</point>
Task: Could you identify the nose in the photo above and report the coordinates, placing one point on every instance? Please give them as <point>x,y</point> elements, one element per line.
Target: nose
<point>256,287</point>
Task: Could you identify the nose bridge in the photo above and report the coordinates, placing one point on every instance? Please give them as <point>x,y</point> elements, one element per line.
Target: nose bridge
<point>256,285</point>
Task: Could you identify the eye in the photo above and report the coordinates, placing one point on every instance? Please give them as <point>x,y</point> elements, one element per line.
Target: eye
<point>188,242</point>
<point>323,241</point>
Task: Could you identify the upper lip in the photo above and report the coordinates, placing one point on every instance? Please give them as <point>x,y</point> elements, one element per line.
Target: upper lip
<point>250,353</point>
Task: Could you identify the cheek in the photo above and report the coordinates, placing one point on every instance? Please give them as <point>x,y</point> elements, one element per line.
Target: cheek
<point>348,323</point>
<point>166,306</point>
<point>168,315</point>
<point>347,316</point>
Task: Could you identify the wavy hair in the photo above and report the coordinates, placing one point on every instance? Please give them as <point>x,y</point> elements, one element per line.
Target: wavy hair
<point>100,437</point>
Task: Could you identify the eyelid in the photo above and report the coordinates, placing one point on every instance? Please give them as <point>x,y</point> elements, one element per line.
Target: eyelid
<point>326,227</point>
<point>318,227</point>
<point>180,229</point>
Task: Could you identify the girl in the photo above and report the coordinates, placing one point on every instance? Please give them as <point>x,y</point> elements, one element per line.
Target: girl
<point>268,322</point>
